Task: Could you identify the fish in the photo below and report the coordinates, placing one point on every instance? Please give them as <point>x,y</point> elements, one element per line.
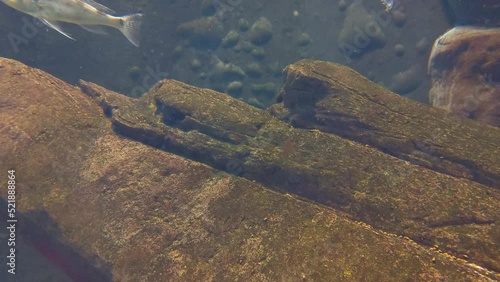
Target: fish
<point>89,14</point>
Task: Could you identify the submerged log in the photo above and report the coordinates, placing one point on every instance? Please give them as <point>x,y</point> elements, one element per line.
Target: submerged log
<point>334,98</point>
<point>136,213</point>
<point>381,190</point>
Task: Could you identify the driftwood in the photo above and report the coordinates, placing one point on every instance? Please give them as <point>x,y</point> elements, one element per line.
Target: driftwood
<point>122,211</point>
<point>334,98</point>
<point>386,192</point>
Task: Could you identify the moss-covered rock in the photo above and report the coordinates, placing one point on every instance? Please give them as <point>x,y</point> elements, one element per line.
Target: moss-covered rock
<point>465,70</point>
<point>202,33</point>
<point>261,31</point>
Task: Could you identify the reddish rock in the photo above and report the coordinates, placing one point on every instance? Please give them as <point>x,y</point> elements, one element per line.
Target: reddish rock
<point>465,69</point>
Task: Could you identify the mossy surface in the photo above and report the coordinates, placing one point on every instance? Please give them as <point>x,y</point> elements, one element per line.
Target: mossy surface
<point>139,213</point>
<point>389,193</point>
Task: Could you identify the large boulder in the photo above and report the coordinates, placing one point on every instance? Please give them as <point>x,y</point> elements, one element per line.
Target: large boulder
<point>465,70</point>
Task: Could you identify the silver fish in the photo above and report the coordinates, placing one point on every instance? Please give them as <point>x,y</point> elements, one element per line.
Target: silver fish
<point>87,13</point>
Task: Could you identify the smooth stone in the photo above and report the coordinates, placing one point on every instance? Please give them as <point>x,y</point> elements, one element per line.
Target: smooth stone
<point>261,32</point>
<point>243,25</point>
<point>231,39</point>
<point>258,53</point>
<point>235,88</point>
<point>408,80</point>
<point>360,32</point>
<point>195,64</point>
<point>226,72</point>
<point>254,70</point>
<point>303,39</point>
<point>399,18</point>
<point>399,49</point>
<point>465,71</point>
<point>422,46</point>
<point>202,33</point>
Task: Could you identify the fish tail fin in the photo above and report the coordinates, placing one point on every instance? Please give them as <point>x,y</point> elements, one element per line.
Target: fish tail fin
<point>130,26</point>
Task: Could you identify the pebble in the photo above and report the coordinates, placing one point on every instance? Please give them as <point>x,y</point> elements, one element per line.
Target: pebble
<point>422,46</point>
<point>399,18</point>
<point>399,49</point>
<point>261,32</point>
<point>303,39</point>
<point>230,39</point>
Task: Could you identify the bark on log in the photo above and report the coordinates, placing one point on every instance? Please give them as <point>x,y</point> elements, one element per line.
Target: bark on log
<point>381,190</point>
<point>334,98</point>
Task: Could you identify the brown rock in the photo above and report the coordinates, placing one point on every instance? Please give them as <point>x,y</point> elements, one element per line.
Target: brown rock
<point>202,33</point>
<point>465,69</point>
<point>408,80</point>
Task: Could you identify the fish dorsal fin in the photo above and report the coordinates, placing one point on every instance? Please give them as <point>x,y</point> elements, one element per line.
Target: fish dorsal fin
<point>99,7</point>
<point>55,26</point>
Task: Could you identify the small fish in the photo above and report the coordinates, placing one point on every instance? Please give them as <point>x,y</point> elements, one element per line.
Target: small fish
<point>89,14</point>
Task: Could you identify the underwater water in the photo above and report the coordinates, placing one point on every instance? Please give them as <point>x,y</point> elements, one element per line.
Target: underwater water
<point>241,48</point>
